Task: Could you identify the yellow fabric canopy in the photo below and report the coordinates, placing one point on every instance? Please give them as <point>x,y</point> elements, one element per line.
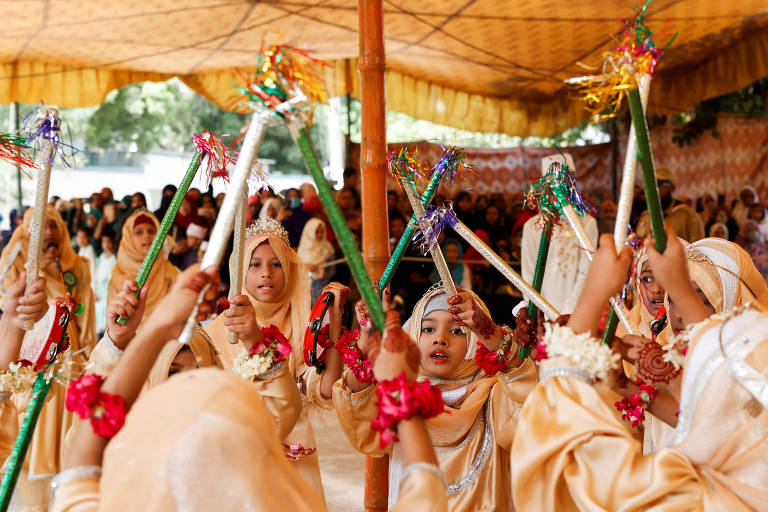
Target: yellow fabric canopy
<point>484,65</point>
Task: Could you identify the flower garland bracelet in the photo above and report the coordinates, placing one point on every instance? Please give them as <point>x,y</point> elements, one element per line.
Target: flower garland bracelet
<point>401,399</point>
<point>106,411</point>
<point>492,362</point>
<point>353,357</point>
<point>263,357</point>
<point>633,409</point>
<point>595,358</point>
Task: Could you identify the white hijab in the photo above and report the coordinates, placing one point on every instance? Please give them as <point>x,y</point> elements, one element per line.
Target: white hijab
<point>311,250</point>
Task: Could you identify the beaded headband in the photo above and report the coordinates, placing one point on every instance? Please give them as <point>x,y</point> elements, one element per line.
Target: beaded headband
<point>268,226</point>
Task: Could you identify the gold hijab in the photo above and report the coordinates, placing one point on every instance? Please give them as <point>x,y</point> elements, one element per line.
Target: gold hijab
<point>290,312</point>
<point>129,260</point>
<point>203,440</point>
<point>201,347</point>
<point>726,274</point>
<point>447,429</point>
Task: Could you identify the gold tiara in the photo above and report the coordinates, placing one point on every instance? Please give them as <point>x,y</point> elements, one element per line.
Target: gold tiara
<point>267,226</point>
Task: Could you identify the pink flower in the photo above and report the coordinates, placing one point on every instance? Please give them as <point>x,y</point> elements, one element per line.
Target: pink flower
<point>284,349</point>
<point>541,350</point>
<point>83,395</point>
<point>386,437</point>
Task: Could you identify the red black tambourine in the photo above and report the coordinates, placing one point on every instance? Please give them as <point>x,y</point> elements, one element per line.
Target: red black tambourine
<point>49,337</point>
<point>314,352</point>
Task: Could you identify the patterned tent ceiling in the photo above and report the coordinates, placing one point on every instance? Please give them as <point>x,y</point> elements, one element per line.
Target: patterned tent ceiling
<point>487,65</point>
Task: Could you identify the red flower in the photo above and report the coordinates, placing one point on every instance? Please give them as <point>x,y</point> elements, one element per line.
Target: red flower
<point>491,362</point>
<point>402,399</point>
<point>83,395</point>
<point>257,349</point>
<point>109,416</point>
<point>284,349</point>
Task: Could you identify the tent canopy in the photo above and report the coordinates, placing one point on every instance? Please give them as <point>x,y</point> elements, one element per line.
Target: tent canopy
<point>484,65</point>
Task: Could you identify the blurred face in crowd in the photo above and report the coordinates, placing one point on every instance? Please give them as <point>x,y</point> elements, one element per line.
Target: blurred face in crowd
<point>51,241</point>
<point>666,188</point>
<point>320,232</point>
<point>137,201</point>
<point>747,197</point>
<point>107,244</point>
<point>719,232</point>
<point>751,233</point>
<point>194,194</point>
<point>96,202</point>
<point>481,202</point>
<point>721,217</point>
<point>110,212</point>
<point>186,208</point>
<point>756,212</point>
<point>442,345</point>
<point>452,252</point>
<point>346,200</point>
<point>498,201</point>
<point>464,203</point>
<point>396,227</point>
<point>652,293</point>
<point>265,279</point>
<point>293,193</point>
<point>82,238</point>
<point>143,234</point>
<point>709,202</point>
<point>392,200</point>
<point>492,215</point>
<point>219,199</point>
<point>207,202</point>
<point>106,194</point>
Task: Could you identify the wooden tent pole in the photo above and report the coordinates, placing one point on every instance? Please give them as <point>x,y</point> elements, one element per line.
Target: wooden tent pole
<point>373,158</point>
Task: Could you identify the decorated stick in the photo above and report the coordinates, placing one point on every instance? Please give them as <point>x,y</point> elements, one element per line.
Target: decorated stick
<point>653,202</point>
<point>339,226</point>
<point>627,190</point>
<point>47,126</point>
<point>452,164</point>
<point>432,225</point>
<point>437,254</point>
<point>229,208</point>
<point>410,229</point>
<point>238,253</point>
<point>216,151</point>
<point>23,438</point>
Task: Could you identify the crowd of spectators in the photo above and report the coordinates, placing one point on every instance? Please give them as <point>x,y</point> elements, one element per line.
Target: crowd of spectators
<point>95,227</point>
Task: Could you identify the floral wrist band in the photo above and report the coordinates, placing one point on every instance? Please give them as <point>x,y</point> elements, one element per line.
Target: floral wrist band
<point>632,409</point>
<point>492,362</point>
<point>18,378</point>
<point>582,350</point>
<point>401,399</point>
<point>106,411</point>
<point>263,357</point>
<point>353,357</point>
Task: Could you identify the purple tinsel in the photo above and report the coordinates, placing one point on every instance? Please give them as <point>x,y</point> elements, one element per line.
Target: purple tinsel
<point>452,164</point>
<point>431,226</point>
<point>44,123</point>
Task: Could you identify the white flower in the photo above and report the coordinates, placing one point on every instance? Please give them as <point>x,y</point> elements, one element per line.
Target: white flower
<point>250,367</point>
<point>17,379</point>
<point>583,350</point>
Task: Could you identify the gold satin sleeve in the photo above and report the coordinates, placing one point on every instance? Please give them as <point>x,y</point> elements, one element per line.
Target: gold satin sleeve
<point>9,427</point>
<point>101,361</point>
<point>422,491</point>
<point>507,397</point>
<point>78,496</point>
<point>281,396</point>
<point>310,382</point>
<point>571,453</point>
<point>355,412</point>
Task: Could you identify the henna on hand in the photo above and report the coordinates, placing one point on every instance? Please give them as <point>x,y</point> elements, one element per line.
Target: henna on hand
<point>524,333</point>
<point>484,325</point>
<point>453,300</point>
